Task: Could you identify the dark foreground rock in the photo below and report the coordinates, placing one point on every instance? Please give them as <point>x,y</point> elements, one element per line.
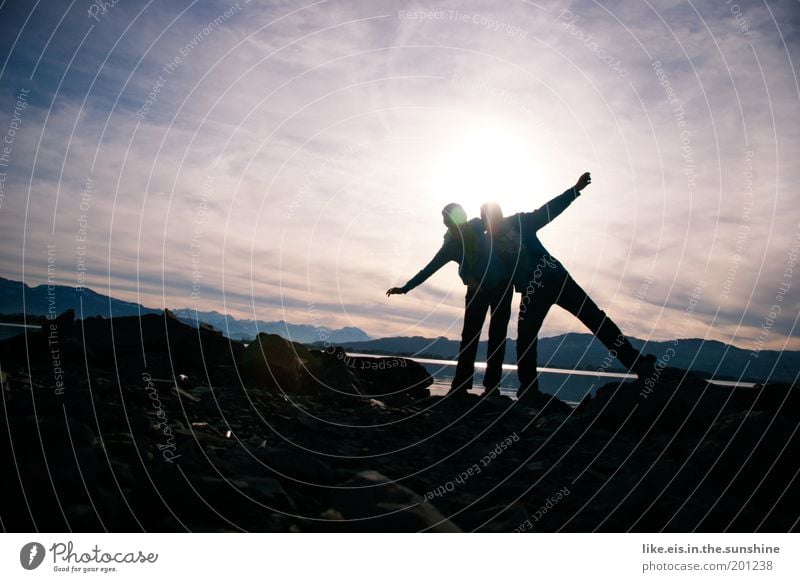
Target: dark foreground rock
<point>149,424</point>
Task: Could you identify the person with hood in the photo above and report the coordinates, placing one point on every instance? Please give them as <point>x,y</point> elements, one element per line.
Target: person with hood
<point>466,243</point>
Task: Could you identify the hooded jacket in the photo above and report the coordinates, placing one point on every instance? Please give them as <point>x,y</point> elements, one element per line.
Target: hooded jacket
<point>472,253</point>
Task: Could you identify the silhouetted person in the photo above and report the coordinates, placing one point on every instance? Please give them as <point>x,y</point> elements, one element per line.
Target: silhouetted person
<point>466,243</point>
<point>543,282</point>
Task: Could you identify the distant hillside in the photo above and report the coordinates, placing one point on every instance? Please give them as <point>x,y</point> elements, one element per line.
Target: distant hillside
<point>583,351</point>
<point>38,301</point>
<point>247,329</point>
<point>571,351</point>
<point>63,298</point>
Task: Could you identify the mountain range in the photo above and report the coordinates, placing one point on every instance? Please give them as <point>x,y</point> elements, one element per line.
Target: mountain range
<point>39,301</point>
<point>247,329</point>
<point>569,351</point>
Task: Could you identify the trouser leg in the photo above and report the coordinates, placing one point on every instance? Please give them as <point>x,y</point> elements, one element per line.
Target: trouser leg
<point>576,301</point>
<point>533,309</point>
<point>476,306</point>
<point>500,306</point>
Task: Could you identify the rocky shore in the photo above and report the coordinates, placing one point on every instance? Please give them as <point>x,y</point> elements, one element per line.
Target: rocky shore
<point>150,424</point>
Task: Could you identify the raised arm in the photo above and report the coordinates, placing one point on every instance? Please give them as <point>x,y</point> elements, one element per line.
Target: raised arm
<point>546,213</point>
<point>447,253</point>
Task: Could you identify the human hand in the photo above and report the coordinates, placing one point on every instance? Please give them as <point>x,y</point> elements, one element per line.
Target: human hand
<point>395,291</point>
<point>583,181</point>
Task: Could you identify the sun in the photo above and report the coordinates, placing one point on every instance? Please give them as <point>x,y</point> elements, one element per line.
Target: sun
<point>485,164</point>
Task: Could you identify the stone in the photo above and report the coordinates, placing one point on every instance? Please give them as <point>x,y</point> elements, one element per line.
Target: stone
<point>273,363</point>
<point>295,465</point>
<point>382,505</point>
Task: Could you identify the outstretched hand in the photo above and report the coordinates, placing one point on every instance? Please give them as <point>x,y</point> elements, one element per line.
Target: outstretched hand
<point>395,291</point>
<point>583,181</point>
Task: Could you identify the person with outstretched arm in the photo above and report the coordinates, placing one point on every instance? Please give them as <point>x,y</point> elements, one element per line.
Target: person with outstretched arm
<point>543,282</point>
<point>465,243</point>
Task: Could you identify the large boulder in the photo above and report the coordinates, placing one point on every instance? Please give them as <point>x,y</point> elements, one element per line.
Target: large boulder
<point>389,377</point>
<point>160,345</point>
<point>274,363</point>
<point>681,401</point>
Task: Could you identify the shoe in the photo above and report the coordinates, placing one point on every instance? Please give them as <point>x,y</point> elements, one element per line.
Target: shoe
<point>644,366</point>
<point>460,388</point>
<point>491,393</point>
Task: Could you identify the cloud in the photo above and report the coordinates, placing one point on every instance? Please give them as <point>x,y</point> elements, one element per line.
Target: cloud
<point>287,154</point>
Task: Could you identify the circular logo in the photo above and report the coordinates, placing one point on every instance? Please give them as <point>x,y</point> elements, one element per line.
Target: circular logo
<point>31,555</point>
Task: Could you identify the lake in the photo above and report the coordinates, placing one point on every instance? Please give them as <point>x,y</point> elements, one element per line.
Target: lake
<point>568,385</point>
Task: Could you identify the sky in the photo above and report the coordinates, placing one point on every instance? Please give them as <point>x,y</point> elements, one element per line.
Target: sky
<point>289,160</point>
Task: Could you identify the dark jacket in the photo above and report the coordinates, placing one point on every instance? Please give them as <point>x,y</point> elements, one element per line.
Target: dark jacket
<point>518,248</point>
<point>471,254</point>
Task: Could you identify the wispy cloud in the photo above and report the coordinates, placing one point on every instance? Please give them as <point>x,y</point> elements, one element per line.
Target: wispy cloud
<point>290,159</point>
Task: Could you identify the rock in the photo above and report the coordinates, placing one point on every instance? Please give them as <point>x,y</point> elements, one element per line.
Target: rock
<point>719,458</point>
<point>543,402</point>
<point>333,376</point>
<point>296,465</point>
<point>269,492</point>
<point>184,394</point>
<point>377,404</point>
<point>273,363</point>
<point>383,378</point>
<point>776,398</point>
<point>382,505</point>
<point>58,450</point>
<point>678,401</point>
<point>392,377</point>
<point>555,421</point>
<point>109,344</point>
<point>66,319</point>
